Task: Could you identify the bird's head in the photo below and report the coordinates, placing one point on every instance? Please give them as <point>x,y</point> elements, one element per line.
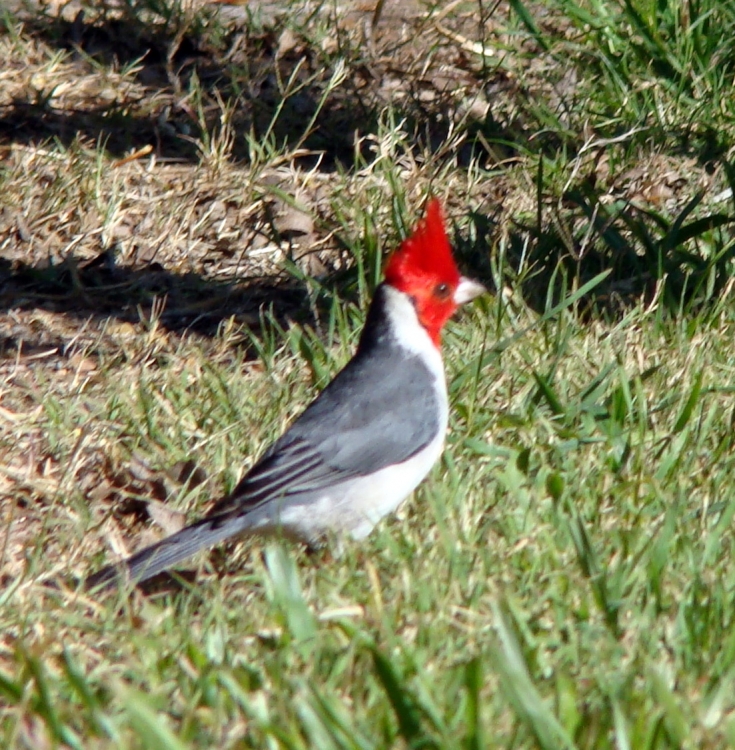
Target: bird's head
<point>424,269</point>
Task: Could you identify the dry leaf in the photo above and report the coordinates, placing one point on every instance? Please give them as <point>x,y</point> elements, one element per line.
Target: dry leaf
<point>292,223</point>
<point>168,519</point>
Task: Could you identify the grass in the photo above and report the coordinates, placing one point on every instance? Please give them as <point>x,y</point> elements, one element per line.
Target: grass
<point>197,204</point>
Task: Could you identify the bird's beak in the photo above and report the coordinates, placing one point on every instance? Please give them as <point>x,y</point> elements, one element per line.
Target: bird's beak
<point>467,290</point>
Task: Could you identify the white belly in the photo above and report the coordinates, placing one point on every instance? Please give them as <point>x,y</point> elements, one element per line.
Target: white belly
<point>353,507</point>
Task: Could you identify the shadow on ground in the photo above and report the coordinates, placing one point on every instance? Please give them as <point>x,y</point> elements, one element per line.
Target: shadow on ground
<point>89,295</point>
<point>182,69</point>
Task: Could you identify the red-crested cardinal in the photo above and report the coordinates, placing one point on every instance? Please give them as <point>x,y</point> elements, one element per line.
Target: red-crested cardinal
<point>367,440</point>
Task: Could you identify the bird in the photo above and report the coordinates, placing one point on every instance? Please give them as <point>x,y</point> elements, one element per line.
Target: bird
<point>367,440</point>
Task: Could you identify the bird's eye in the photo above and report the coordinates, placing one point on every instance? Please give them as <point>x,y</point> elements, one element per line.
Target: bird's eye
<point>441,290</point>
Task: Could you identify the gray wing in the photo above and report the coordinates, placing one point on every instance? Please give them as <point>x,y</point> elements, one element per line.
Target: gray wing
<point>378,411</point>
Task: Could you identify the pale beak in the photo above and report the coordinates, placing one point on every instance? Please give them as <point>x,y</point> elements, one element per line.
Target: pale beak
<point>467,290</point>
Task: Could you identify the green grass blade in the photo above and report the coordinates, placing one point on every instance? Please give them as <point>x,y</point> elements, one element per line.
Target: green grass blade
<point>518,686</point>
<point>401,699</point>
<point>151,727</point>
<point>692,400</point>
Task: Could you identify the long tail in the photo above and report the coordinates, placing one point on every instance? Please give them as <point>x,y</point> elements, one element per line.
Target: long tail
<point>168,552</point>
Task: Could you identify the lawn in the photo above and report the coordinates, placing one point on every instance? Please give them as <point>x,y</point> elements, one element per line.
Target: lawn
<point>196,200</point>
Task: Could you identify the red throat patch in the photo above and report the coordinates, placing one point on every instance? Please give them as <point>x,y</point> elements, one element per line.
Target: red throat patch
<point>423,267</point>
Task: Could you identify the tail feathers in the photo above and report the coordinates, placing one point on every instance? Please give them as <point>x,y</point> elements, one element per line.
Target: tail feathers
<point>168,552</point>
